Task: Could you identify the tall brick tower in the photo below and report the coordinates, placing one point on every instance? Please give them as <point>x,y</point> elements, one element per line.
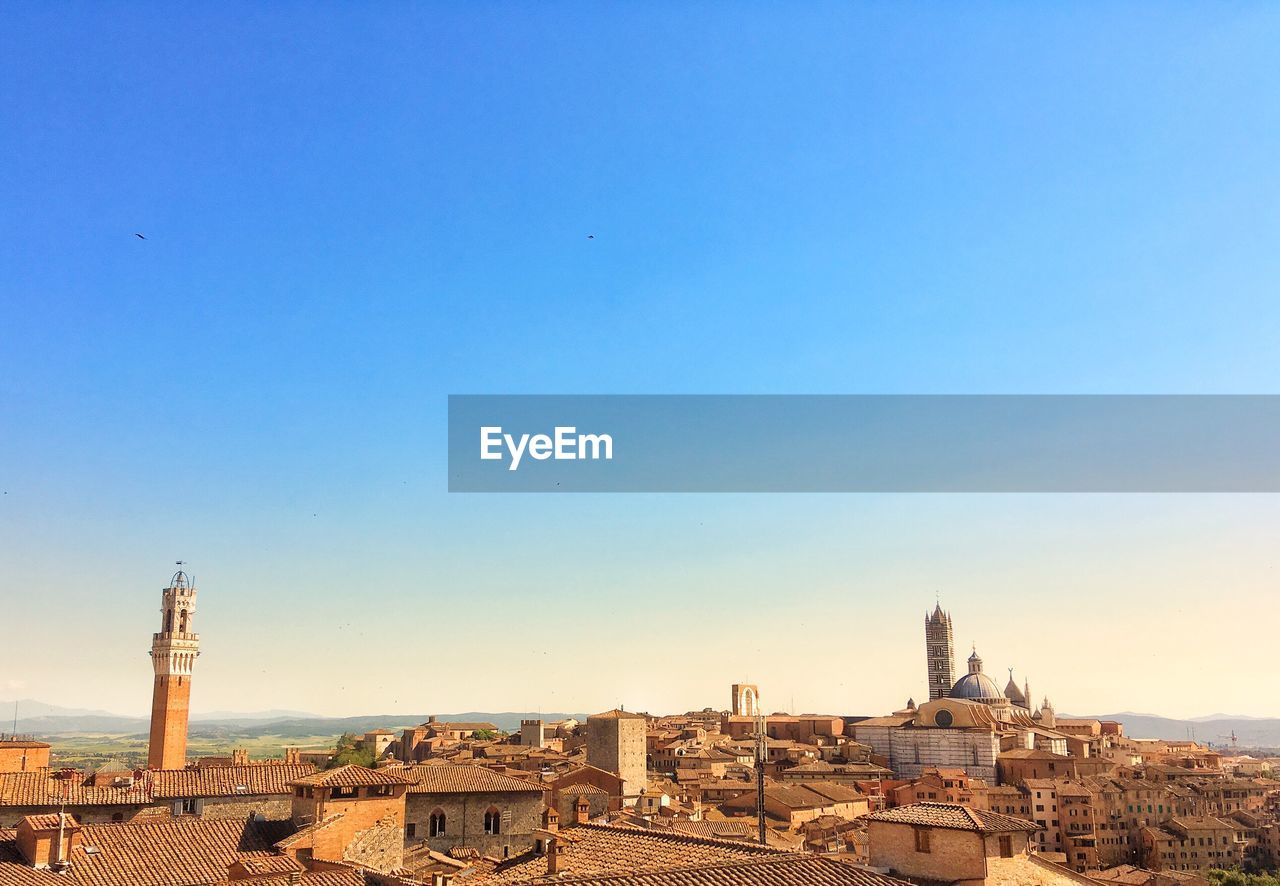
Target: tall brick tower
<point>173,656</point>
<point>939,652</point>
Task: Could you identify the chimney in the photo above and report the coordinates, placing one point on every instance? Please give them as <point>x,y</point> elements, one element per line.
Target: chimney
<point>551,819</point>
<point>295,878</point>
<point>553,856</point>
<point>292,755</point>
<point>582,811</point>
<point>239,757</point>
<point>46,841</point>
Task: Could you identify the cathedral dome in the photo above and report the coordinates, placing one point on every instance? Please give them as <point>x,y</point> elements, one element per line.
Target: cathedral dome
<point>977,686</point>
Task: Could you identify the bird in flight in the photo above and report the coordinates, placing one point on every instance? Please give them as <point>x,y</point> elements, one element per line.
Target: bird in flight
<point>140,237</point>
<point>591,236</point>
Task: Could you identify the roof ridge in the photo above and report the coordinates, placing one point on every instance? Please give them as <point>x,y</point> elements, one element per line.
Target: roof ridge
<point>676,836</point>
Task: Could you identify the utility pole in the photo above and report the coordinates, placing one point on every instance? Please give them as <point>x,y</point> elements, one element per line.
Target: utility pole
<point>762,755</point>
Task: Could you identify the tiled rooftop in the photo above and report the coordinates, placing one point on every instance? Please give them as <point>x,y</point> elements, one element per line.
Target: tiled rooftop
<point>783,870</point>
<point>953,816</point>
<point>351,776</point>
<point>160,852</point>
<point>462,779</point>
<point>592,850</point>
<point>39,788</point>
<point>227,781</point>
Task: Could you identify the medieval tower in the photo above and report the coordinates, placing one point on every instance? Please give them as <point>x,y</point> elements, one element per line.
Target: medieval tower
<point>173,656</point>
<point>939,652</point>
<point>746,700</point>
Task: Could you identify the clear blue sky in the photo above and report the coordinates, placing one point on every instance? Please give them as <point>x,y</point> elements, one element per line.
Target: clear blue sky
<point>351,212</point>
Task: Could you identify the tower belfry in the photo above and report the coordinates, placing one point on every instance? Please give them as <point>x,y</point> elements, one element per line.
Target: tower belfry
<point>173,655</point>
<point>939,652</point>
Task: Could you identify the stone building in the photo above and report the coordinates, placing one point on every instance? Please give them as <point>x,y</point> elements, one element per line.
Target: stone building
<point>616,742</point>
<point>955,844</point>
<point>173,655</point>
<point>451,806</point>
<point>234,792</point>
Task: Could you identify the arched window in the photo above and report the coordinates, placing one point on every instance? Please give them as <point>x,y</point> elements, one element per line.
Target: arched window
<point>183,628</point>
<point>168,621</point>
<point>435,826</point>
<point>492,821</point>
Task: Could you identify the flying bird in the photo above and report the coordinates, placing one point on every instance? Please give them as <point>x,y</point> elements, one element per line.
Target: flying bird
<point>140,237</point>
<point>591,236</point>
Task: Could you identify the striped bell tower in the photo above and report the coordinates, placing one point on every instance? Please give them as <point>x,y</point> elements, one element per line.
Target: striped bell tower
<point>173,656</point>
<point>939,652</point>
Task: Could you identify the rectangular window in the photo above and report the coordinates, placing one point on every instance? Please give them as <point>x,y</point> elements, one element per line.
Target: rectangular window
<point>411,829</point>
<point>1006,847</point>
<point>922,840</point>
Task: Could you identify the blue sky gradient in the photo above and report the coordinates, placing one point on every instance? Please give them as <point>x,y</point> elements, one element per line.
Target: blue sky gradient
<point>352,212</point>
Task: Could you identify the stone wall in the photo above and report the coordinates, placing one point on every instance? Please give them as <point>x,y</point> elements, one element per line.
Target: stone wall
<point>380,847</point>
<point>953,856</point>
<point>241,807</point>
<point>520,814</point>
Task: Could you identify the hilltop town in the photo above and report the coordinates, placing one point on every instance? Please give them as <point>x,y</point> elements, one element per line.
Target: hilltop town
<point>976,784</point>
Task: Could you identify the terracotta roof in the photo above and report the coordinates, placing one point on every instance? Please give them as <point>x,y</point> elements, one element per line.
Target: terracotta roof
<point>39,788</point>
<point>50,822</point>
<point>617,714</point>
<point>595,850</point>
<point>462,778</point>
<point>584,788</point>
<point>462,727</point>
<point>228,781</point>
<point>953,816</point>
<point>791,869</point>
<point>1030,754</point>
<point>22,743</point>
<point>158,852</point>
<point>351,776</point>
<point>271,864</point>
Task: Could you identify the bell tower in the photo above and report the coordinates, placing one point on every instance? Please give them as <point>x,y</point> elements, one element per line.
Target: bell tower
<point>173,655</point>
<point>939,652</point>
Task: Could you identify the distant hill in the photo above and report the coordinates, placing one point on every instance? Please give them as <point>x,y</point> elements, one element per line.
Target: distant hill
<point>224,724</point>
<point>29,707</point>
<point>1261,732</point>
<point>253,715</point>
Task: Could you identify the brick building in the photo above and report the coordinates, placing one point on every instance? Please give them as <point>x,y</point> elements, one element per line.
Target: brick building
<point>349,814</point>
<point>22,753</point>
